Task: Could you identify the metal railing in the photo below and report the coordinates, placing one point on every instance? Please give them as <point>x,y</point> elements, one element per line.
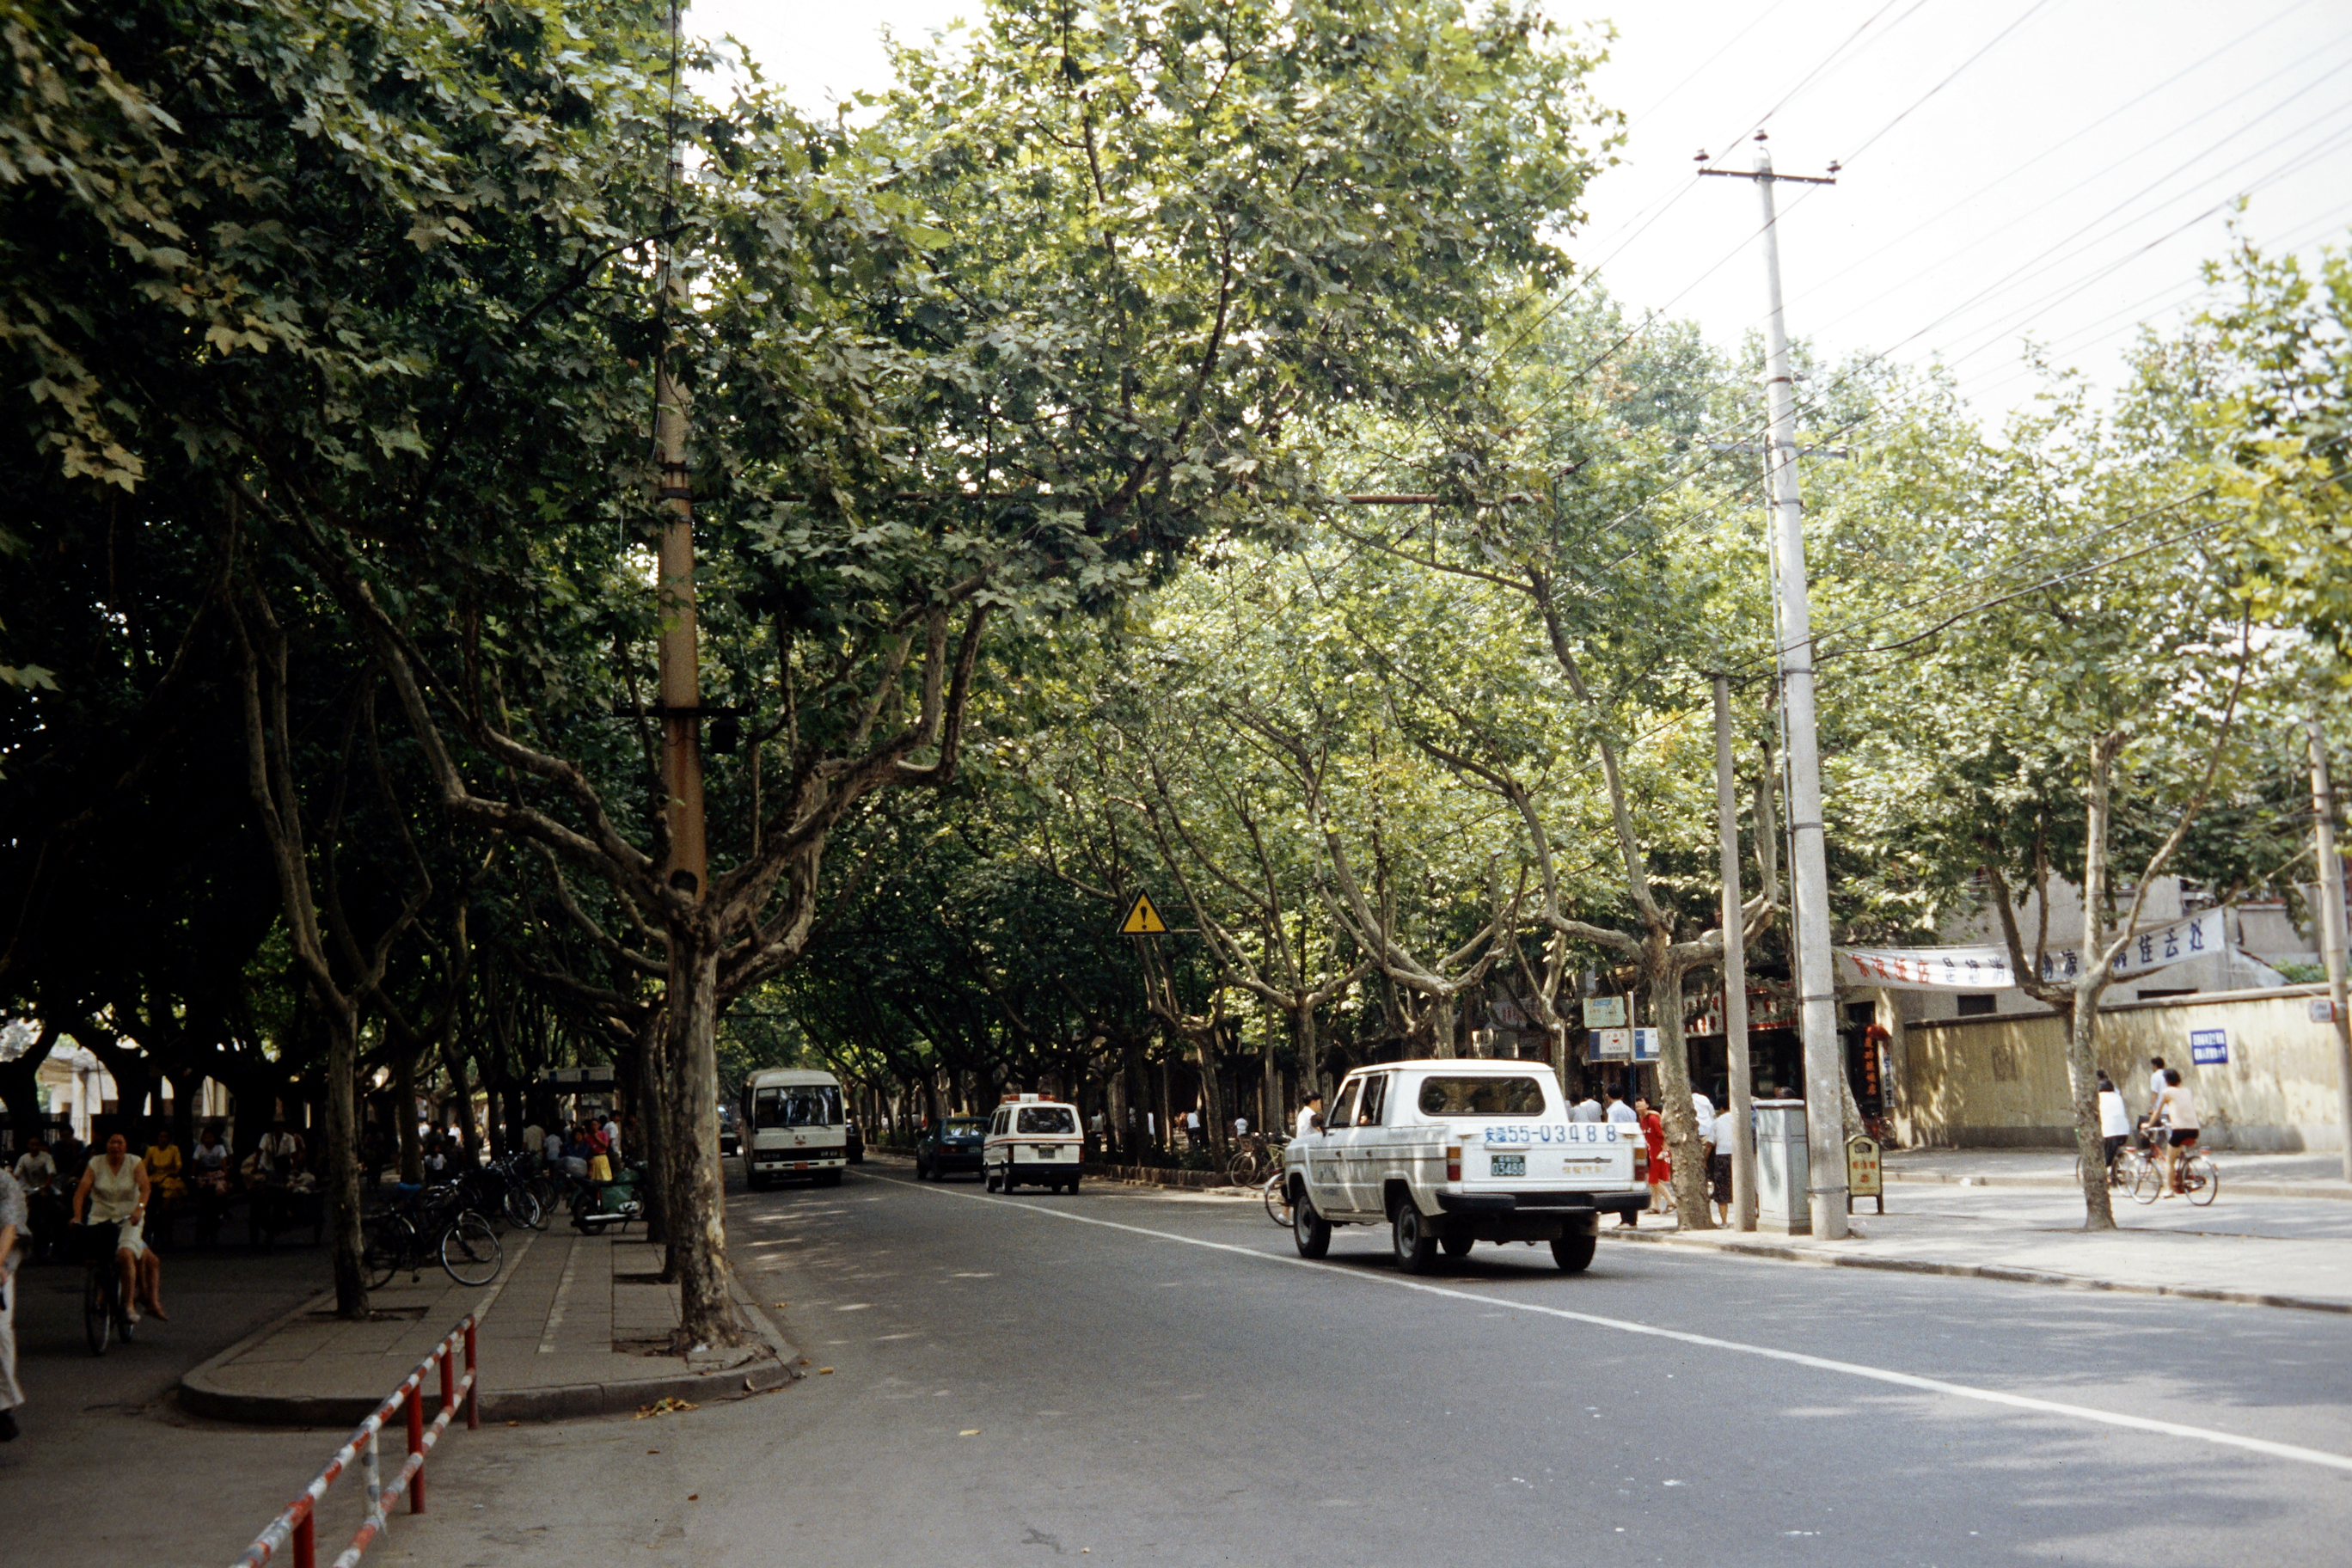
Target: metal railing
<point>298,1524</point>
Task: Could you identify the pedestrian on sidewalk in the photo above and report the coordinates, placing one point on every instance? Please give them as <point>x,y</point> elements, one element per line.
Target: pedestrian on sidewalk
<point>1587,1110</point>
<point>1192,1127</point>
<point>1619,1112</point>
<point>1662,1170</point>
<point>1718,1166</point>
<point>2115,1119</point>
<point>12,1233</point>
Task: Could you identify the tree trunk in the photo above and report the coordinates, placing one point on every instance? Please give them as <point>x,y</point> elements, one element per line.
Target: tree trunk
<point>341,1172</point>
<point>697,1215</point>
<point>2083,1030</point>
<point>1681,1117</point>
<point>1442,1042</point>
<point>2083,1086</point>
<point>404,1117</point>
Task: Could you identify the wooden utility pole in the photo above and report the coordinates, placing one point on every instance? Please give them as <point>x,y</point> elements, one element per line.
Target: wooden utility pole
<point>688,866</point>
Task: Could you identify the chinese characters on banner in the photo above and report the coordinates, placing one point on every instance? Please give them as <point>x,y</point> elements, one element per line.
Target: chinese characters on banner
<point>1987,968</point>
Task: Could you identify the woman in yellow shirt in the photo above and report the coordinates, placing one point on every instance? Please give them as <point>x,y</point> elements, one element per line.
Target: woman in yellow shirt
<point>165,1182</point>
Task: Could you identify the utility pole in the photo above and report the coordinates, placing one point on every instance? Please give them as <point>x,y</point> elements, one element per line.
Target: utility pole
<point>1735,974</point>
<point>2331,927</point>
<point>688,867</point>
<point>1809,868</point>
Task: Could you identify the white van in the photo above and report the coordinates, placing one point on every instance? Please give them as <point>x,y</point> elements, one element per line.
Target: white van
<point>1033,1140</point>
<point>790,1123</point>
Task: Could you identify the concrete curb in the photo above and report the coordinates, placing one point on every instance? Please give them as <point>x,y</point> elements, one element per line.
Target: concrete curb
<point>202,1393</point>
<point>2002,1273</point>
<point>2251,1189</point>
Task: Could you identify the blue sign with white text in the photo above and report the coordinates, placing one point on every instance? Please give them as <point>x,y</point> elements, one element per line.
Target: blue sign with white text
<point>2209,1048</point>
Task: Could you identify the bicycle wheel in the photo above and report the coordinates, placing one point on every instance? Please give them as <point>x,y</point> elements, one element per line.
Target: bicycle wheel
<point>2203,1178</point>
<point>1242,1169</point>
<point>522,1207</point>
<point>385,1242</point>
<point>2147,1180</point>
<point>469,1249</point>
<point>1277,1201</point>
<point>97,1307</point>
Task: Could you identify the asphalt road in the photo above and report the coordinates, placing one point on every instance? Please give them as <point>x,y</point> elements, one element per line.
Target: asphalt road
<point>108,1470</point>
<point>1147,1378</point>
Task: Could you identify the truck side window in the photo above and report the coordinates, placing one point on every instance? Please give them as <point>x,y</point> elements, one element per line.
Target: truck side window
<point>1375,1098</point>
<point>1343,1111</point>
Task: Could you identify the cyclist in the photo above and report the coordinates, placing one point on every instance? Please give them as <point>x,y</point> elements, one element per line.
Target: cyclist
<point>2115,1119</point>
<point>2173,1126</point>
<point>115,1189</point>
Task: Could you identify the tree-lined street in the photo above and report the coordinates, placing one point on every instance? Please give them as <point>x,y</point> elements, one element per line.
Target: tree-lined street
<point>582,632</point>
<point>1159,1379</point>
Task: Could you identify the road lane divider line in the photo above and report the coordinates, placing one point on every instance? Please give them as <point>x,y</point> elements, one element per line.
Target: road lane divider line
<point>2262,1445</point>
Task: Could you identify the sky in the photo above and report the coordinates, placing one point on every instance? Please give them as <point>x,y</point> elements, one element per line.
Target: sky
<point>2052,170</point>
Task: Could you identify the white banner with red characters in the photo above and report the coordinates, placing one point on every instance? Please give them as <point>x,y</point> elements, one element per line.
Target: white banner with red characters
<point>1987,969</point>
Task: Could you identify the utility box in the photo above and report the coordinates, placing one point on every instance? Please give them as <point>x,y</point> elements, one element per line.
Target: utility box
<point>1782,1172</point>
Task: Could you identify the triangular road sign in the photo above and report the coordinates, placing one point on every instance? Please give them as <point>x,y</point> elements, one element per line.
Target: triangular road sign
<point>1142,920</point>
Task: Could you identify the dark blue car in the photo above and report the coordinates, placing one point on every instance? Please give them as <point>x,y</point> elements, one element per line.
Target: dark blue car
<point>950,1148</point>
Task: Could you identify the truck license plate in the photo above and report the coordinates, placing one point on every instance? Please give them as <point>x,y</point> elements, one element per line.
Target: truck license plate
<point>1510,1165</point>
<point>1044,1151</point>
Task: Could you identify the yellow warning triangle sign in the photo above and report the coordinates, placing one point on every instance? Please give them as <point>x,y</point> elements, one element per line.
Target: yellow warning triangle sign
<point>1142,920</point>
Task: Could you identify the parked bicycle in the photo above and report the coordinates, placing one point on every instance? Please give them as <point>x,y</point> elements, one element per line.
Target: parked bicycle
<point>432,1224</point>
<point>500,1190</point>
<point>1256,1157</point>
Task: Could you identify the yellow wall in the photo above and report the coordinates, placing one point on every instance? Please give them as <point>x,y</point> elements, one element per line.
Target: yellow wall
<point>1995,1082</point>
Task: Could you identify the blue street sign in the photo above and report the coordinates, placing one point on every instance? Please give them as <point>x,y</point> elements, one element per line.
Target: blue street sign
<point>2209,1048</point>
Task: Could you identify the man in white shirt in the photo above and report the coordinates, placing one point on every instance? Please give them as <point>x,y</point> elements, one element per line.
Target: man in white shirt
<point>1620,1113</point>
<point>1585,1109</point>
<point>2115,1119</point>
<point>2155,1085</point>
<point>1241,1126</point>
<point>1703,1109</point>
<point>1722,1135</point>
<point>1310,1115</point>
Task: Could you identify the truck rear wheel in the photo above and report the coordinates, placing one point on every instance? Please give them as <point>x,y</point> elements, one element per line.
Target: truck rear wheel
<point>1310,1230</point>
<point>1573,1252</point>
<point>1416,1243</point>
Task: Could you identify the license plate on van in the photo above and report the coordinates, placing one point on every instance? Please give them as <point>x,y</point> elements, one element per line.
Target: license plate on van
<point>1508,1165</point>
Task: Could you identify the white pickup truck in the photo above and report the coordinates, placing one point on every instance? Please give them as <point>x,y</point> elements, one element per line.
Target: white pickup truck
<point>1449,1153</point>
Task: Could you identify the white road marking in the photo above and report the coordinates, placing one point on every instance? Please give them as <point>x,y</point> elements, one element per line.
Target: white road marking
<point>1820,1363</point>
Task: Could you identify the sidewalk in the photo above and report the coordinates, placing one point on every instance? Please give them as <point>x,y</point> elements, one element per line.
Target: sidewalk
<point>2247,1175</point>
<point>2279,1234</point>
<point>575,1325</point>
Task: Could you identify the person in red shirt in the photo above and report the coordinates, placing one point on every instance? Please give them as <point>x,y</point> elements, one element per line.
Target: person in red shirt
<point>1662,1170</point>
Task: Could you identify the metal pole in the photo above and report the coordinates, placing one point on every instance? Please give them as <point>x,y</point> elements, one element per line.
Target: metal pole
<point>2331,929</point>
<point>1735,974</point>
<point>1809,870</point>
